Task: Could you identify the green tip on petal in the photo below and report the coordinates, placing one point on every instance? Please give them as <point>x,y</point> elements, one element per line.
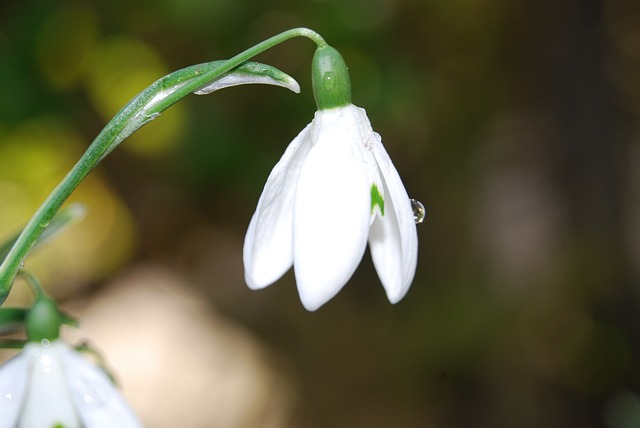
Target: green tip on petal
<point>376,199</point>
<point>330,78</point>
<point>43,321</point>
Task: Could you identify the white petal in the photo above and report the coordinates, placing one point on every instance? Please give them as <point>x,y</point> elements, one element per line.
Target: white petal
<point>13,379</point>
<point>48,402</point>
<point>393,241</point>
<point>99,403</point>
<point>367,137</point>
<point>332,209</point>
<point>268,247</point>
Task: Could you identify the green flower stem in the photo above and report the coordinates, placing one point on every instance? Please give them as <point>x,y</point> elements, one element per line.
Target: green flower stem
<point>145,107</point>
<point>35,285</point>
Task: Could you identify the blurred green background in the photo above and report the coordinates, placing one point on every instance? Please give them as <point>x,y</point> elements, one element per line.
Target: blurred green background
<point>514,122</point>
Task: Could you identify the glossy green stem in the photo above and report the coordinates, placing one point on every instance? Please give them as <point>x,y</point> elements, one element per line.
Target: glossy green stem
<point>147,105</point>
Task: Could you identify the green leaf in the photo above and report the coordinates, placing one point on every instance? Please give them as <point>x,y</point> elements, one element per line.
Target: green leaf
<point>69,320</point>
<point>64,218</point>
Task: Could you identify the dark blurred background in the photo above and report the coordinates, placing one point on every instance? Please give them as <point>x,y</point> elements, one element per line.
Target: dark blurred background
<point>514,122</point>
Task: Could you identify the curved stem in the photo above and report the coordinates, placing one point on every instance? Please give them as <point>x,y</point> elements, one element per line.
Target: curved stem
<point>33,282</point>
<point>140,110</point>
<point>210,75</point>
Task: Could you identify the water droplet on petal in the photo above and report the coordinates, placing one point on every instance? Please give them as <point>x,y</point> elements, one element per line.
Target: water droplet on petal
<point>419,211</point>
<point>8,396</point>
<point>90,394</point>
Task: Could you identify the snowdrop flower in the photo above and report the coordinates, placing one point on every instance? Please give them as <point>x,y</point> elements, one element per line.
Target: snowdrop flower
<point>334,189</point>
<point>49,384</point>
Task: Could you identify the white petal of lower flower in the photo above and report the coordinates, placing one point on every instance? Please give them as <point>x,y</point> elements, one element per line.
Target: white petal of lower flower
<point>268,243</point>
<point>331,211</point>
<point>48,402</point>
<point>13,379</point>
<point>393,241</point>
<point>99,403</point>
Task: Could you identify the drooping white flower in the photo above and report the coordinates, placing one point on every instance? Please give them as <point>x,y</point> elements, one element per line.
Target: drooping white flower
<point>334,189</point>
<point>50,384</point>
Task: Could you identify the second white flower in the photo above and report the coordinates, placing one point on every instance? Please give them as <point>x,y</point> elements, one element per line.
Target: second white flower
<point>334,189</point>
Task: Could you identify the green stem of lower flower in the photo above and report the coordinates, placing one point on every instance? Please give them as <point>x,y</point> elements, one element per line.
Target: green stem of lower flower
<point>33,282</point>
<point>140,110</point>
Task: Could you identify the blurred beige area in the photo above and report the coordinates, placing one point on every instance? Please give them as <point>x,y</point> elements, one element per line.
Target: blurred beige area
<point>179,362</point>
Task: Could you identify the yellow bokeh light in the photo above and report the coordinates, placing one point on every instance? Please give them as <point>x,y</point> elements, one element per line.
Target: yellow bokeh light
<point>121,68</point>
<point>33,159</point>
<point>63,51</point>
